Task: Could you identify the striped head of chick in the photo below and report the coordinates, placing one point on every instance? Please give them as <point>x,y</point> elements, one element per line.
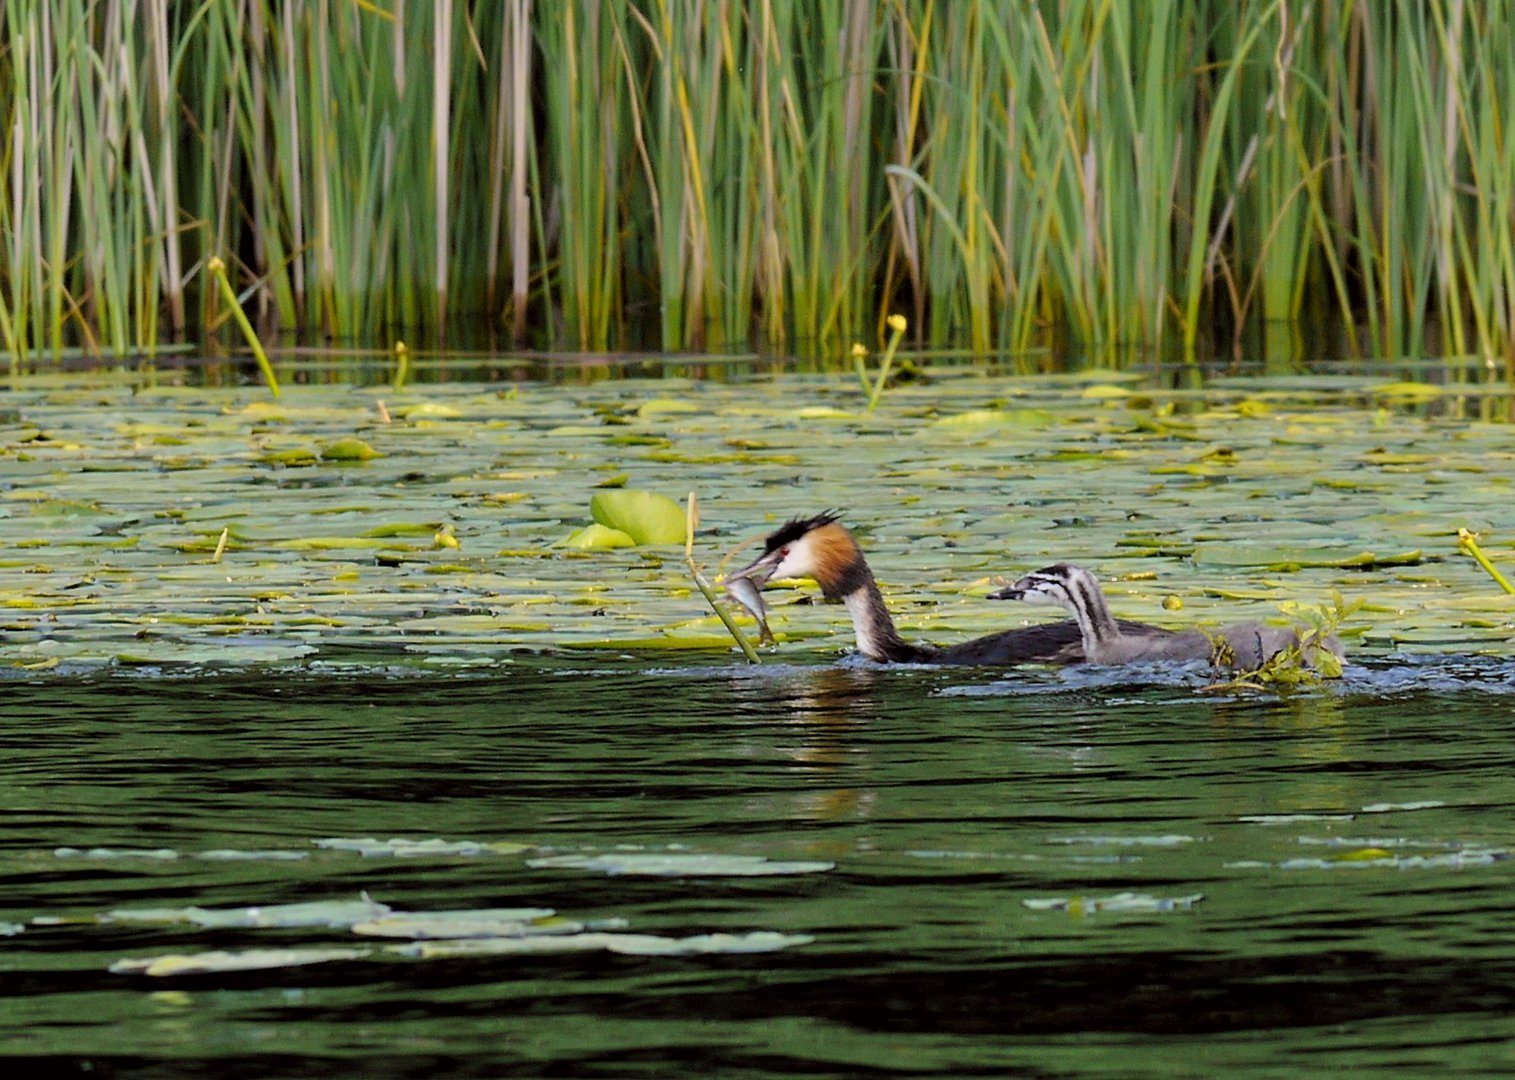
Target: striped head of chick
<point>1061,584</point>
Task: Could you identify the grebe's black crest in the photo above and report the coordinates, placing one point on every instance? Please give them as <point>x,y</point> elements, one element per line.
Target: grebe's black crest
<point>792,530</point>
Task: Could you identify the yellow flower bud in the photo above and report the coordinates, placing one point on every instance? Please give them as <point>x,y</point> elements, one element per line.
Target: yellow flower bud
<point>897,323</point>
<point>858,351</point>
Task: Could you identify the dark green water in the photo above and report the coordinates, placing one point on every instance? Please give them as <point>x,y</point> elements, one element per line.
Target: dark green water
<point>1350,848</point>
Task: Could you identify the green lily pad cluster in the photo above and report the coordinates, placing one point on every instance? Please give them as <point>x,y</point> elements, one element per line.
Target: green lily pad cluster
<point>429,934</point>
<point>629,519</point>
<point>445,525</point>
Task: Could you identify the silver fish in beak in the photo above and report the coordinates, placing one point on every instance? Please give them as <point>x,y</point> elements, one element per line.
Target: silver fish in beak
<point>789,551</point>
<point>749,593</point>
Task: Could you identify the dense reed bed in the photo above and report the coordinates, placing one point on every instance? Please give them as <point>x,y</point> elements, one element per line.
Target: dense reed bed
<point>780,174</point>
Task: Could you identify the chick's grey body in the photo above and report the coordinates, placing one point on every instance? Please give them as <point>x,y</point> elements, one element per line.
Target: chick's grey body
<point>1103,640</point>
<point>822,549</point>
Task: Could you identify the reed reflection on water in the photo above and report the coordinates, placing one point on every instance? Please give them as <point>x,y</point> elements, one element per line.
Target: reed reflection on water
<point>1348,850</point>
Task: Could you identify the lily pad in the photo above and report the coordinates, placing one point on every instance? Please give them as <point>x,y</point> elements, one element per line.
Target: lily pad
<point>290,458</point>
<point>247,960</point>
<point>655,642</point>
<point>663,406</point>
<point>761,941</point>
<point>330,913</point>
<point>645,516</point>
<point>425,410</point>
<point>1019,472</point>
<point>679,865</point>
<point>483,923</point>
<point>980,419</point>
<point>598,537</point>
<point>348,450</point>
<point>407,848</point>
<point>1407,390</point>
<point>1104,391</point>
<point>1284,556</point>
<point>1125,903</point>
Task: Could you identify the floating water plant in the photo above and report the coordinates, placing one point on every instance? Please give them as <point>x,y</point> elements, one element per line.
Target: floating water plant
<point>222,961</point>
<point>402,368</point>
<point>597,537</point>
<point>679,864</point>
<point>629,518</point>
<point>217,269</point>
<point>691,519</point>
<point>1468,542</point>
<point>322,556</point>
<point>347,450</point>
<point>1306,662</point>
<point>1124,903</point>
<point>645,516</point>
<point>444,934</point>
<point>874,388</point>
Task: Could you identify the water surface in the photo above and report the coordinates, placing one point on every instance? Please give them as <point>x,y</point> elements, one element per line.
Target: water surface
<point>1320,881</point>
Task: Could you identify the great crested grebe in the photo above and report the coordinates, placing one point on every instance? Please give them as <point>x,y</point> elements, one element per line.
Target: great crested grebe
<point>1104,641</point>
<point>821,548</point>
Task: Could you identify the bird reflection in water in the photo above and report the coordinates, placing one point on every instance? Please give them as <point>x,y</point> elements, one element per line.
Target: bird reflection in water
<point>827,711</point>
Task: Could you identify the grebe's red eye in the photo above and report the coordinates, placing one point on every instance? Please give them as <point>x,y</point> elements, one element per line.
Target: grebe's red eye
<point>783,553</point>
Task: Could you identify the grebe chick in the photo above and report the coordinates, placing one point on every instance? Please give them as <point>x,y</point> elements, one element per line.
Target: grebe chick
<point>821,548</point>
<point>1246,646</point>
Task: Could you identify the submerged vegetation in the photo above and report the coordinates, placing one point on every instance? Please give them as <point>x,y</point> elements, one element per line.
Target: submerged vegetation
<point>684,174</point>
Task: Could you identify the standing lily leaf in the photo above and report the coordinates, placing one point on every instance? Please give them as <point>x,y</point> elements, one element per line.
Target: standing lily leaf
<point>646,517</point>
<point>598,538</point>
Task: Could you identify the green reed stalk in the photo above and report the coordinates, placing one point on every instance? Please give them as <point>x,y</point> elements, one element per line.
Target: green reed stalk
<point>1390,204</point>
<point>766,127</point>
<point>728,135</point>
<point>681,160</point>
<point>441,86</point>
<point>1025,162</point>
<point>1278,132</point>
<point>1205,188</point>
<point>1012,175</point>
<point>1146,104</point>
<point>958,257</point>
<point>508,166</point>
<point>906,45</point>
<point>822,104</point>
<point>1486,244</point>
<point>249,50</point>
<point>583,94</point>
<point>166,215</point>
<point>1062,57</point>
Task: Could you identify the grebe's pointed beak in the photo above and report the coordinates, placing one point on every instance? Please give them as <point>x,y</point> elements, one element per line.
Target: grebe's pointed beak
<point>1011,592</point>
<point>760,571</point>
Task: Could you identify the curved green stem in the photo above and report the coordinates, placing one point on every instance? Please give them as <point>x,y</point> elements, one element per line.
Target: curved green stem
<point>217,270</point>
